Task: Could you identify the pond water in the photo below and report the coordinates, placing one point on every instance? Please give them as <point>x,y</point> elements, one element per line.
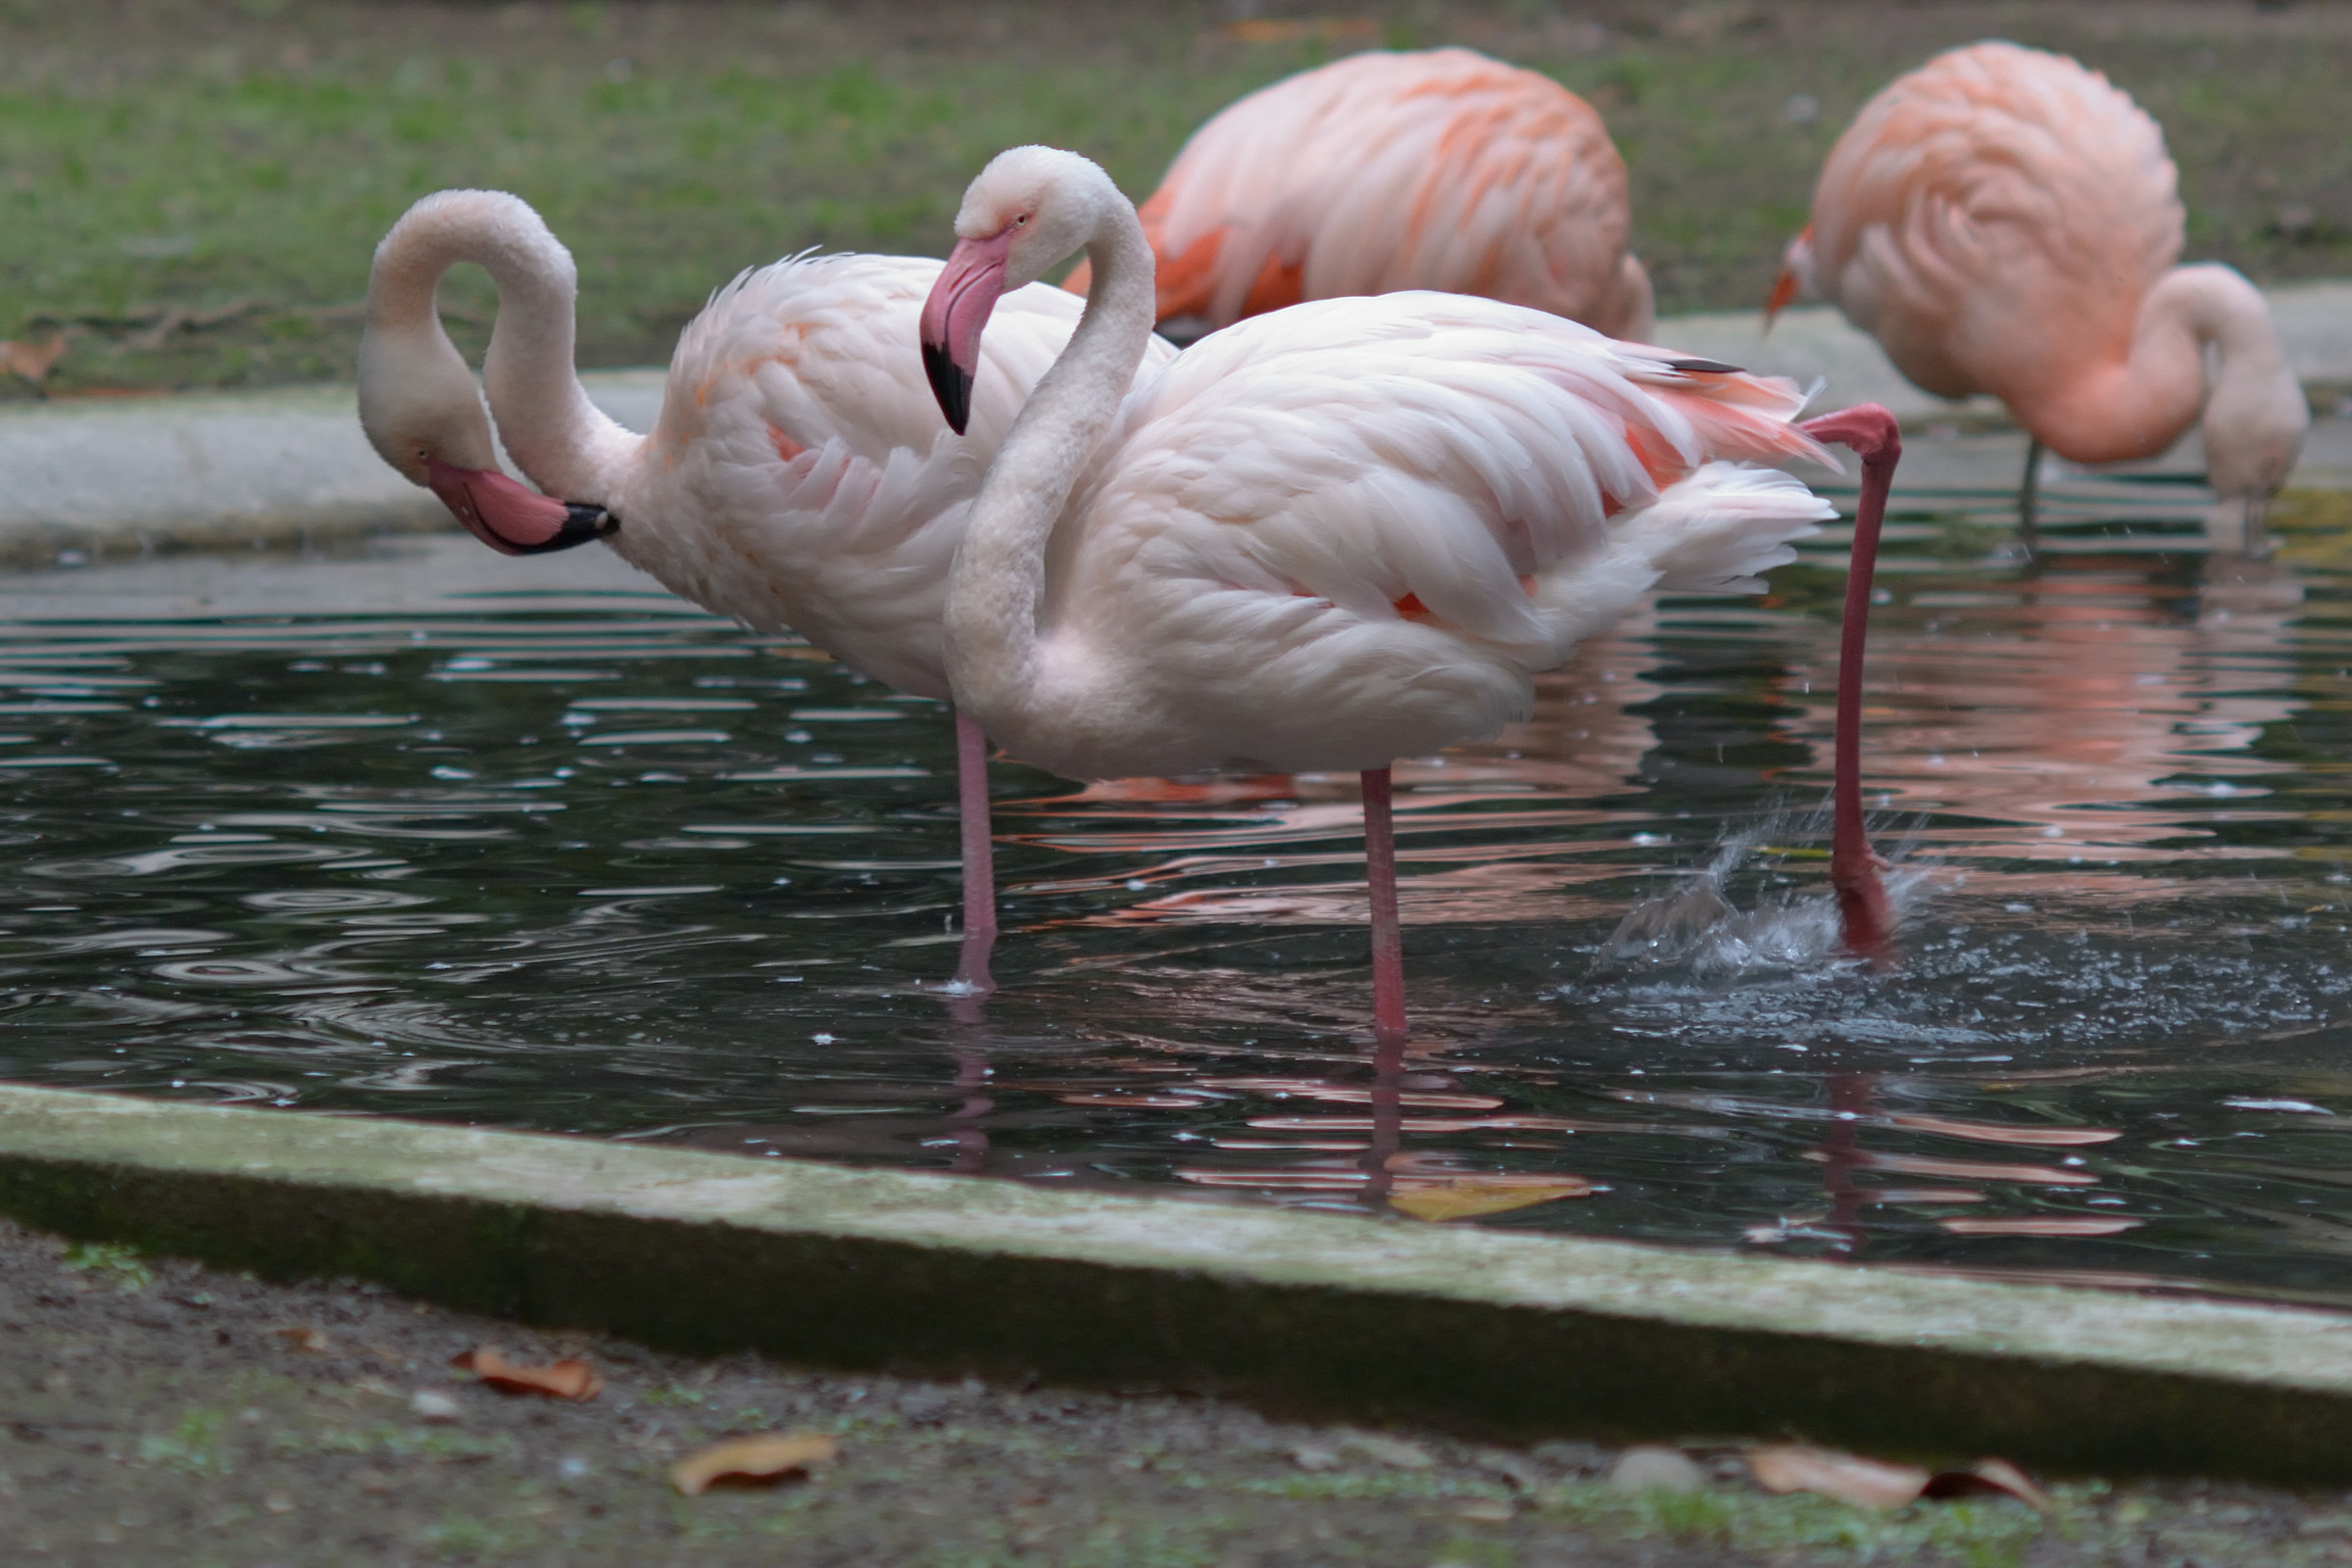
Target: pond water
<point>426,832</point>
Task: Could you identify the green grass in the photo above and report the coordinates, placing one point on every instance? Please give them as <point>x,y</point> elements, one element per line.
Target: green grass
<point>196,186</point>
<point>1973,1535</point>
<point>121,1266</point>
<point>195,1445</point>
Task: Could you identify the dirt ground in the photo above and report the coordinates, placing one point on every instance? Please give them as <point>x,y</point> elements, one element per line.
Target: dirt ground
<point>159,1412</point>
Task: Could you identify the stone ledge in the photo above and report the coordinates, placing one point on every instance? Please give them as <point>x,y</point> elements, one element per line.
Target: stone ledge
<point>123,475</point>
<point>1494,1332</point>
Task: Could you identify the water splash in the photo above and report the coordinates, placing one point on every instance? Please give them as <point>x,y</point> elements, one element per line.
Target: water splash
<point>1697,928</point>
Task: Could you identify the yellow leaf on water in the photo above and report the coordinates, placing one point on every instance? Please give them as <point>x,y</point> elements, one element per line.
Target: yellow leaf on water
<point>1848,1477</point>
<point>766,1458</point>
<point>1483,1194</point>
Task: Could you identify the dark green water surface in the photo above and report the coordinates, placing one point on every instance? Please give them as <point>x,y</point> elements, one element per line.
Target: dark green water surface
<point>428,833</point>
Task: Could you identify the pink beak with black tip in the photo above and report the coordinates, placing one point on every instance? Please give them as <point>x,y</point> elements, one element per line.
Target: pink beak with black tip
<point>960,304</point>
<point>513,519</point>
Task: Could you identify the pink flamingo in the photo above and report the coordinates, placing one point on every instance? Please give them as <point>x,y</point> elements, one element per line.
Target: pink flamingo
<point>797,478</point>
<point>2003,221</point>
<point>1342,533</point>
<point>1441,169</point>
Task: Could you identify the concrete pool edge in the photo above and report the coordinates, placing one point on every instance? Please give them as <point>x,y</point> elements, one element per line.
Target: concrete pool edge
<point>101,477</point>
<point>1508,1334</point>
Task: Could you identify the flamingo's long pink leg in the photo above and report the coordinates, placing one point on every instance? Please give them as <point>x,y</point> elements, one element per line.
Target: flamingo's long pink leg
<point>1388,937</point>
<point>1855,866</point>
<point>972,978</point>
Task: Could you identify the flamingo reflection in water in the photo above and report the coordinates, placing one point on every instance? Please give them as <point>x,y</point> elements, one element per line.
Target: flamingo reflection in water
<point>2098,717</point>
<point>1499,806</point>
<point>2097,714</point>
<point>1842,1154</point>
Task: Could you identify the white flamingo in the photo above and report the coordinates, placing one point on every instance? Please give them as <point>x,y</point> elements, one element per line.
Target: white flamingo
<point>1333,535</point>
<point>797,478</point>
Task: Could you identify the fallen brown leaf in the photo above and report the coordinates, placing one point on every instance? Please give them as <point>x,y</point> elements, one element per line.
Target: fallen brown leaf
<point>1987,1474</point>
<point>766,1458</point>
<point>1848,1477</point>
<point>32,361</point>
<point>1483,1194</point>
<point>566,1380</point>
<point>302,1337</point>
<point>1330,29</point>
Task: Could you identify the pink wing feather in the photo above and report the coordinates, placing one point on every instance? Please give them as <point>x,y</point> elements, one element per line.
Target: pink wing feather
<point>1357,528</point>
<point>1995,219</point>
<point>1442,170</point>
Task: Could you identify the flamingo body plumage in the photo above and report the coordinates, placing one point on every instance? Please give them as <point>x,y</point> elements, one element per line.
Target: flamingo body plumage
<point>2004,221</point>
<point>1356,530</point>
<point>797,477</point>
<point>1440,169</point>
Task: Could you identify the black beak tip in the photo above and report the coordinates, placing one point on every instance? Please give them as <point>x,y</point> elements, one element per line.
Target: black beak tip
<point>583,524</point>
<point>949,385</point>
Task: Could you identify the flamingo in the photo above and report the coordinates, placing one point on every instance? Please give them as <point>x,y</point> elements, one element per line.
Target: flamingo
<point>1442,170</point>
<point>797,476</point>
<point>1342,533</point>
<point>2004,221</point>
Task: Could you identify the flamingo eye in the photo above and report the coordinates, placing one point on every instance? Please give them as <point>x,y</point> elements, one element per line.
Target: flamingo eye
<point>1019,219</point>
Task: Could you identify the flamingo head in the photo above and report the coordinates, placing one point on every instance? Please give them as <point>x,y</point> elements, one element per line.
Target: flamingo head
<point>1031,208</point>
<point>421,411</point>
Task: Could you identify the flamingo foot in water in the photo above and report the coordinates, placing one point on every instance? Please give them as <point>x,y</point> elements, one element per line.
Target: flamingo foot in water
<point>1387,935</point>
<point>972,980</point>
<point>1864,916</point>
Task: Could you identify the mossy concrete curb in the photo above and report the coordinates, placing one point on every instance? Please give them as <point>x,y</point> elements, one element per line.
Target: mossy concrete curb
<point>1507,1334</point>
<point>119,477</point>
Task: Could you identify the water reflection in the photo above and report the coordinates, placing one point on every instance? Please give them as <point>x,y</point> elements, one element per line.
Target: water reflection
<point>2091,710</point>
<point>393,835</point>
<point>1205,844</point>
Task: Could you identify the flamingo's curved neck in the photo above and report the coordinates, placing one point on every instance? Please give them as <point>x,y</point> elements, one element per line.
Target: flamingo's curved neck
<point>999,575</point>
<point>2254,414</point>
<point>2120,409</point>
<point>565,444</point>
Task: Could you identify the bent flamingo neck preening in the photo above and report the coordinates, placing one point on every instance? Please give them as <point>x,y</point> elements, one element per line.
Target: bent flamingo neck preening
<point>1866,922</point>
<point>418,402</point>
